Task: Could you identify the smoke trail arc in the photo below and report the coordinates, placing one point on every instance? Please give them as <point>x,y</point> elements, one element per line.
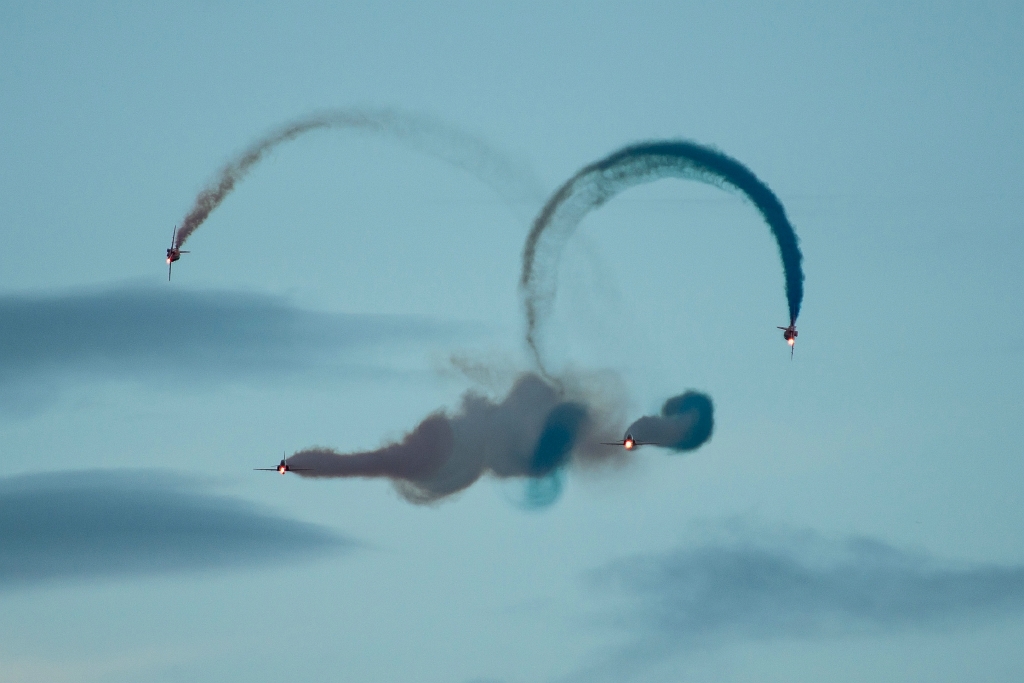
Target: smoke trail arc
<point>511,180</point>
<point>634,165</point>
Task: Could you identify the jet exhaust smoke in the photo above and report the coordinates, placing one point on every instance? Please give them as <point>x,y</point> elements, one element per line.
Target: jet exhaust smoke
<point>510,180</point>
<point>533,432</point>
<point>685,423</point>
<point>636,164</point>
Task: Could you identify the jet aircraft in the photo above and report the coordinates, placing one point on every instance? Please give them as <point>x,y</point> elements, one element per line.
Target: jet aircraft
<point>173,253</point>
<point>282,467</point>
<point>629,443</point>
<point>790,334</point>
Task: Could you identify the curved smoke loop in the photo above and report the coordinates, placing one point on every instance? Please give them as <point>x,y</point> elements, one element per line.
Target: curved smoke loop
<point>435,138</point>
<point>634,165</point>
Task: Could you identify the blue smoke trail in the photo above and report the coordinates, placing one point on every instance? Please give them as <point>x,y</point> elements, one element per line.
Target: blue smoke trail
<point>541,493</point>
<point>558,437</point>
<point>641,163</point>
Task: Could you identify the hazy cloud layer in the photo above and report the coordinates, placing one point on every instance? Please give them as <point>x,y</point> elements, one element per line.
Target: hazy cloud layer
<point>798,585</point>
<point>190,337</point>
<point>74,525</point>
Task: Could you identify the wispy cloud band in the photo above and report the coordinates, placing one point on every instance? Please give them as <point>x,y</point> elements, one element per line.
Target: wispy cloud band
<point>145,333</point>
<point>764,586</point>
<point>74,525</point>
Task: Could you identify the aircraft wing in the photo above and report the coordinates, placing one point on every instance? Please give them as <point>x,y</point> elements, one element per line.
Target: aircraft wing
<point>290,469</point>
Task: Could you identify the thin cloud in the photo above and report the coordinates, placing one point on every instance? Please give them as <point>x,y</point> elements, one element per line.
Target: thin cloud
<point>793,586</point>
<point>144,333</point>
<point>102,523</point>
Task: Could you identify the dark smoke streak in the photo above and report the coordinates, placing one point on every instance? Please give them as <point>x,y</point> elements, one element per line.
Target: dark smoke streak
<point>515,185</point>
<point>533,433</point>
<point>595,184</point>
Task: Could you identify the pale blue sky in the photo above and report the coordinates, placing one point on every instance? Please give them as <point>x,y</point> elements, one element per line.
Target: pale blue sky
<point>884,462</point>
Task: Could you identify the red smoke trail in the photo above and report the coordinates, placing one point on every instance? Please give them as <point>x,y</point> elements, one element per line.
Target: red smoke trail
<point>511,180</point>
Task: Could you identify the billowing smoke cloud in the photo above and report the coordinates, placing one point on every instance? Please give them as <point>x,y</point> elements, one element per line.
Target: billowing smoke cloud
<point>533,432</point>
<point>595,184</point>
<point>685,423</point>
<point>513,182</point>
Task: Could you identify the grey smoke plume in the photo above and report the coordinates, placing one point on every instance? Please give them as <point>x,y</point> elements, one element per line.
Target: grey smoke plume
<point>531,433</point>
<point>509,179</point>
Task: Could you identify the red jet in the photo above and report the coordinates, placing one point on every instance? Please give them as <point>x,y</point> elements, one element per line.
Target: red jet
<point>629,443</point>
<point>173,254</point>
<point>790,334</point>
<point>281,468</point>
